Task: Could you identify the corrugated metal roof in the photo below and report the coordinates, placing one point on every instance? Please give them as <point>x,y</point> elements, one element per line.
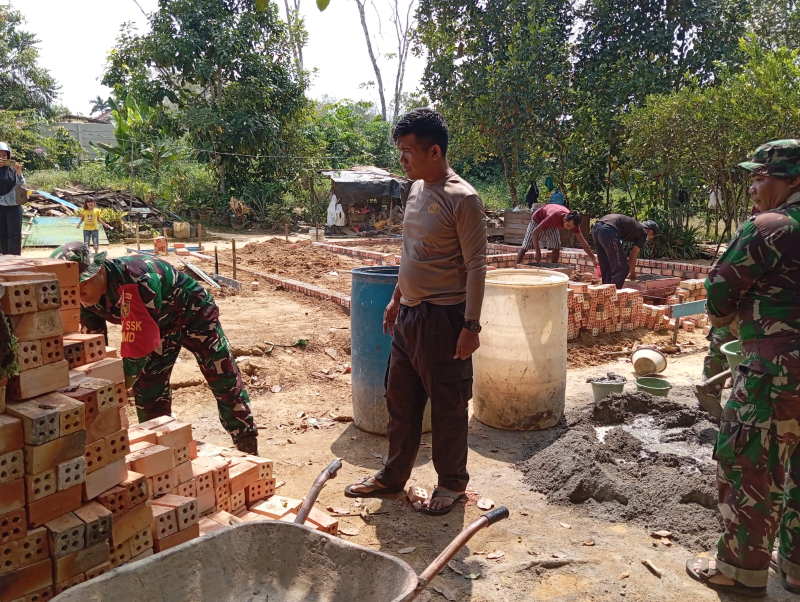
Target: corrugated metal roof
<point>362,174</point>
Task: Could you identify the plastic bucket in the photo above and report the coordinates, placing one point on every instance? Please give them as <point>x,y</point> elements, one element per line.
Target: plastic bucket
<point>733,351</point>
<point>602,390</point>
<point>655,386</point>
<point>371,291</point>
<point>648,361</point>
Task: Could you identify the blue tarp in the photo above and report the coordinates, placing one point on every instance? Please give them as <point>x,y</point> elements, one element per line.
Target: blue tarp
<point>58,200</point>
<point>56,231</point>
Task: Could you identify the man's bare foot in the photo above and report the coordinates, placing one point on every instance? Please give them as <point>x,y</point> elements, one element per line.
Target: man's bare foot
<point>714,575</point>
<point>446,498</point>
<point>790,580</point>
<point>367,485</point>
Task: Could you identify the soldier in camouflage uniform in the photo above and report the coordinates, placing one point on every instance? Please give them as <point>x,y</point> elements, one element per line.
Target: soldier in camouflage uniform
<point>185,315</point>
<point>757,281</point>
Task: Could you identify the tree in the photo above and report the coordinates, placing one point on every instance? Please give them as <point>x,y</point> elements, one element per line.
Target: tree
<point>402,20</point>
<point>353,133</point>
<point>500,73</point>
<point>777,22</point>
<point>703,132</point>
<point>223,68</point>
<point>23,84</point>
<point>628,50</point>
<point>99,105</point>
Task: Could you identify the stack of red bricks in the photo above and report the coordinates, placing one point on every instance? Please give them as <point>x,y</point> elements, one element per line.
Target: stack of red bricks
<point>602,309</point>
<point>688,291</point>
<point>63,437</point>
<point>180,249</point>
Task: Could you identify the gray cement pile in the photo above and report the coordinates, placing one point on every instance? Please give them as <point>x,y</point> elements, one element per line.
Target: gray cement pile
<point>633,458</point>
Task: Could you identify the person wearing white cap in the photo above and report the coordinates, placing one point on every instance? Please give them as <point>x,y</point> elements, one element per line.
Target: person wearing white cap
<point>10,213</point>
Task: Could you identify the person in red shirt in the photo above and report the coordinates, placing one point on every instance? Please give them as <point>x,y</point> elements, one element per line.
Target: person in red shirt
<point>545,223</point>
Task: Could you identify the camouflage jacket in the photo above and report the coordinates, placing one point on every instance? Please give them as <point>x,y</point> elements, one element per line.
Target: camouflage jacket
<point>758,277</point>
<point>172,299</point>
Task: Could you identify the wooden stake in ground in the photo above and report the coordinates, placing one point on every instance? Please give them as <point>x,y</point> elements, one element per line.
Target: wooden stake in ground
<point>286,231</point>
<point>216,261</point>
<point>199,238</point>
<point>138,242</point>
<point>233,250</point>
<point>166,241</point>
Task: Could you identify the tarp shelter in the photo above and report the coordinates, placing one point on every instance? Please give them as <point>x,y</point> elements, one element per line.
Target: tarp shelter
<point>362,184</point>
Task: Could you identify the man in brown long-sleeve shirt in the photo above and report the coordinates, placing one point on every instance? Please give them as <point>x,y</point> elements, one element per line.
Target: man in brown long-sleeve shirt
<point>434,316</point>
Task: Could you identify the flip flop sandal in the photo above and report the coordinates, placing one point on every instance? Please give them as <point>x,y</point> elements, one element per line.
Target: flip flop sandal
<point>737,588</point>
<point>439,493</point>
<point>378,491</point>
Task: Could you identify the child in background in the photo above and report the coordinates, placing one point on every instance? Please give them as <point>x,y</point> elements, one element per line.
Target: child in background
<point>90,218</point>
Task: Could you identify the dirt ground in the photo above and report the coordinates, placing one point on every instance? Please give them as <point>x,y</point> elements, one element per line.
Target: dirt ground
<point>306,263</point>
<point>549,550</point>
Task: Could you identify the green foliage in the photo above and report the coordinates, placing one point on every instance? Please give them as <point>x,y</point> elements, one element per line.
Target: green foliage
<point>23,132</point>
<point>777,22</point>
<point>99,105</point>
<point>500,73</point>
<point>674,243</point>
<point>701,133</point>
<point>23,84</point>
<point>353,133</point>
<point>114,219</point>
<point>226,70</point>
<point>626,51</point>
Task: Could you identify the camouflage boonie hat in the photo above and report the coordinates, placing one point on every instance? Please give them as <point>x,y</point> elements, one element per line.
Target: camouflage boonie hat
<point>777,159</point>
<point>79,253</point>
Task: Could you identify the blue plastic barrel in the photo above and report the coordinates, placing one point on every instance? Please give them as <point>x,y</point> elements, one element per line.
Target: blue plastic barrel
<point>370,293</point>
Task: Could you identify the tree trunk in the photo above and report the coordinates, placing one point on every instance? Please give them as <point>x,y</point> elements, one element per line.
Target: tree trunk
<point>297,50</point>
<point>401,29</point>
<point>375,67</point>
<point>511,180</point>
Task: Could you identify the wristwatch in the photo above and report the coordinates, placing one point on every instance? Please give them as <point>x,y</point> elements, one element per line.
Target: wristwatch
<point>473,326</point>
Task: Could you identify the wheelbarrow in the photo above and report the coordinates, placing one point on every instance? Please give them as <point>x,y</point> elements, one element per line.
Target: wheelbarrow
<point>272,561</point>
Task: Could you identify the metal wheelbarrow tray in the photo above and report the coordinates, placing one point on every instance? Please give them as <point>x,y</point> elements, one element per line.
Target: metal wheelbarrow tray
<point>271,561</point>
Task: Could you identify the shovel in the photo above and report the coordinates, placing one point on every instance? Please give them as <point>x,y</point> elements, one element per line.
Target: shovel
<point>708,400</point>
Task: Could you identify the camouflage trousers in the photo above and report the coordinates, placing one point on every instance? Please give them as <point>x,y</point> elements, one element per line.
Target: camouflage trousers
<point>758,476</point>
<point>210,346</point>
<point>715,361</point>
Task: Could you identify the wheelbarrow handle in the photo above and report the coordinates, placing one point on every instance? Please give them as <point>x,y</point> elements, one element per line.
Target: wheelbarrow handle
<point>454,546</point>
<point>329,473</point>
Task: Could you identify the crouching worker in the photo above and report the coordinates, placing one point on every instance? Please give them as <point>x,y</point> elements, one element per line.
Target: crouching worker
<point>160,311</point>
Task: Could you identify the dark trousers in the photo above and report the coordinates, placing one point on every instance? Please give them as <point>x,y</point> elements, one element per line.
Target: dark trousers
<point>11,230</point>
<point>614,266</point>
<point>421,368</point>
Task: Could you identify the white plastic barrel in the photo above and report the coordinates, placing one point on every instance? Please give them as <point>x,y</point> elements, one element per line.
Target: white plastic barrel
<point>520,369</point>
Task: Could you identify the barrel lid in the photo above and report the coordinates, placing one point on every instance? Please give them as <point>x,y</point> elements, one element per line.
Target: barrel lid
<point>526,277</point>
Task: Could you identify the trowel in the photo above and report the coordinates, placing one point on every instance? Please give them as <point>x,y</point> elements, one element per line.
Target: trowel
<point>709,400</point>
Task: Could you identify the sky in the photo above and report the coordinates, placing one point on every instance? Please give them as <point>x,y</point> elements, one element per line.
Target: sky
<point>76,36</point>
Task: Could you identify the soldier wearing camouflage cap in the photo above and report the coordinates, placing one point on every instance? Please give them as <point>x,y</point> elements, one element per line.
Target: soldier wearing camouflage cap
<point>162,310</point>
<point>757,283</point>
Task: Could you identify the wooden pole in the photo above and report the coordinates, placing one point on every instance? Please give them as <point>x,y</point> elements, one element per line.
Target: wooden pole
<point>233,248</point>
<point>313,197</point>
<point>216,261</point>
<point>200,238</point>
<point>166,240</point>
<point>138,242</point>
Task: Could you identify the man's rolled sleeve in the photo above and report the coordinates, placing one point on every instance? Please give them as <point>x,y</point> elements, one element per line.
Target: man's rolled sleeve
<point>470,220</point>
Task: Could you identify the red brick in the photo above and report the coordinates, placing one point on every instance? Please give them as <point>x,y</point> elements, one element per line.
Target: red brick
<point>80,561</point>
<point>104,424</point>
<point>178,538</point>
<point>12,496</point>
<point>40,485</point>
<point>117,444</point>
<point>53,506</point>
<point>13,526</point>
<point>141,542</point>
<point>152,460</point>
<point>19,298</point>
<point>242,476</point>
<point>70,320</point>
<point>186,510</point>
<point>104,479</point>
<point>96,455</point>
<point>67,272</point>
<point>165,521</point>
<point>174,434</point>
<point>11,437</point>
<point>34,547</point>
<point>38,381</point>
<point>52,350</point>
<point>37,325</point>
<point>162,483</point>
<point>29,355</point>
<point>39,458</point>
<point>116,500</point>
<point>132,522</point>
<point>26,580</point>
<point>70,297</point>
<point>97,520</point>
<point>94,345</point>
<point>136,484</point>
<point>106,369</point>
